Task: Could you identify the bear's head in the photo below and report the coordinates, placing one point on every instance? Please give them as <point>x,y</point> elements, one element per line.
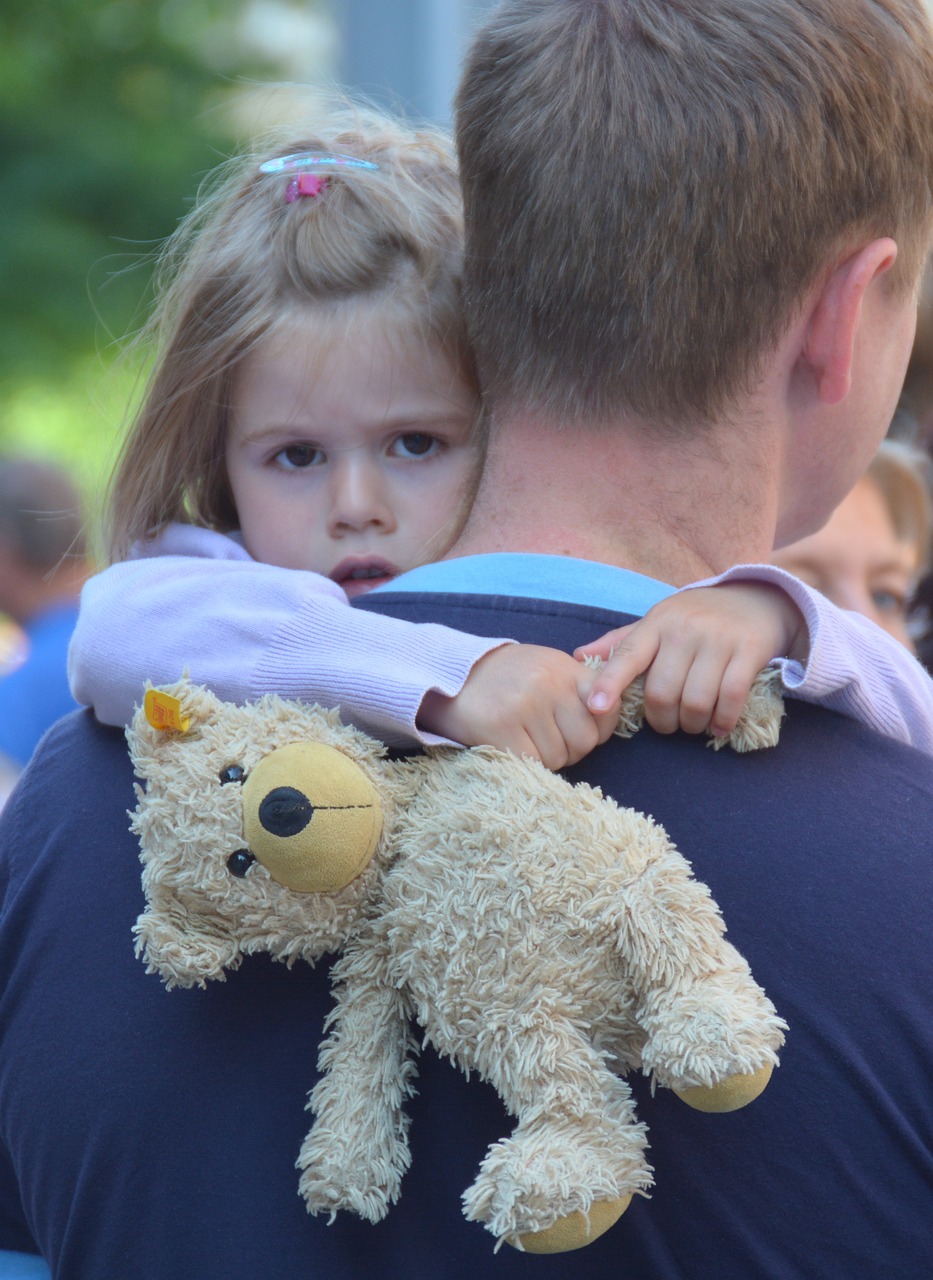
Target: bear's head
<point>259,830</point>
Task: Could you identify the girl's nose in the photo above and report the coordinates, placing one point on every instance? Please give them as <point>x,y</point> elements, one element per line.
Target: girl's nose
<point>359,497</point>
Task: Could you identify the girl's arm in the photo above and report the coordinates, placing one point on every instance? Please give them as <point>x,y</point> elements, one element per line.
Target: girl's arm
<point>196,601</point>
<point>703,646</point>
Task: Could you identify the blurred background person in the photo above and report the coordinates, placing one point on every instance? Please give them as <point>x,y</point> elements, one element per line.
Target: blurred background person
<point>43,565</point>
<point>875,547</point>
<point>914,422</point>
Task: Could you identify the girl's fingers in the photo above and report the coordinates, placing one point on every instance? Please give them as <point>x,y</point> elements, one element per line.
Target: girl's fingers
<point>602,646</point>
<point>631,657</point>
<point>580,731</point>
<point>664,687</point>
<point>683,684</point>
<point>733,694</point>
<point>548,742</point>
<point>702,691</point>
<point>521,744</point>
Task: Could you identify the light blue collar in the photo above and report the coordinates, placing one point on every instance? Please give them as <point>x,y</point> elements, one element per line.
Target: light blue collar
<point>539,577</point>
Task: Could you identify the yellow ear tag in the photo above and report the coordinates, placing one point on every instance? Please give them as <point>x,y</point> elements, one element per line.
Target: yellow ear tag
<point>164,712</point>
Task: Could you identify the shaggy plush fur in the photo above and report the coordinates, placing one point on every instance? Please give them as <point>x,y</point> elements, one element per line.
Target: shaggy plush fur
<point>537,934</point>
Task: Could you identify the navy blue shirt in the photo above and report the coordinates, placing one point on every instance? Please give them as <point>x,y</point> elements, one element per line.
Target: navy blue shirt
<point>153,1134</point>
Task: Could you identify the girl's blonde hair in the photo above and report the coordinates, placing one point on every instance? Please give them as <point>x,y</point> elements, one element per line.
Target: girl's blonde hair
<point>902,473</point>
<point>245,259</point>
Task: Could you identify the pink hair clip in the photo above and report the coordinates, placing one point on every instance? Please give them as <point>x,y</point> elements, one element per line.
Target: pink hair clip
<point>306,184</point>
<point>310,169</point>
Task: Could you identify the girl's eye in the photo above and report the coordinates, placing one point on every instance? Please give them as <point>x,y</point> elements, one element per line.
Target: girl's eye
<point>889,601</point>
<point>296,456</point>
<point>415,444</point>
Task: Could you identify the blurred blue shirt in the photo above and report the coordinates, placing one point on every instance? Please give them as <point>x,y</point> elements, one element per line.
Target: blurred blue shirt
<point>36,694</point>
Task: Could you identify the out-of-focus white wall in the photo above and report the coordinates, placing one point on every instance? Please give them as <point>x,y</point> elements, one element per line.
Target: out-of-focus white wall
<point>405,53</point>
<point>402,54</point>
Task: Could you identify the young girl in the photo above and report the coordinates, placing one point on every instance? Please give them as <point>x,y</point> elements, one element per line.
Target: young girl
<point>311,429</point>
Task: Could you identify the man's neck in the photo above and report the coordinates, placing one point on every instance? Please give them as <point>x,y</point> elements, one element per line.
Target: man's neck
<point>673,509</point>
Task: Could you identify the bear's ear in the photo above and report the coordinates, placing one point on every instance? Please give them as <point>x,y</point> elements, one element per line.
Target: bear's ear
<point>167,714</point>
<point>183,948</point>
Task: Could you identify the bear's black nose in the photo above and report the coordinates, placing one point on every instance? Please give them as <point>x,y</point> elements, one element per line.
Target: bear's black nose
<point>285,811</point>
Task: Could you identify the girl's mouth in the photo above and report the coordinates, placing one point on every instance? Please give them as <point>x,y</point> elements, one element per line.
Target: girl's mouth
<point>359,574</point>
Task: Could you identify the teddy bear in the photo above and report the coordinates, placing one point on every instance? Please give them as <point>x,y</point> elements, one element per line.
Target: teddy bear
<point>534,932</point>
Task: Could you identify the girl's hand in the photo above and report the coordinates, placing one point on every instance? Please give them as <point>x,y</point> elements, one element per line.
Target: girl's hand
<point>526,699</point>
<point>700,649</point>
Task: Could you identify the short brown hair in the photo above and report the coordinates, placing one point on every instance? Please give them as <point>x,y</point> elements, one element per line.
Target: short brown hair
<point>246,258</point>
<point>651,186</point>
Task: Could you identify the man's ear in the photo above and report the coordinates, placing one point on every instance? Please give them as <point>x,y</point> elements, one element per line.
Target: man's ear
<point>829,345</point>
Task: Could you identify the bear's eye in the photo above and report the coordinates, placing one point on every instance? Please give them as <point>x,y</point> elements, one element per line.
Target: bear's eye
<point>233,773</point>
<point>240,862</point>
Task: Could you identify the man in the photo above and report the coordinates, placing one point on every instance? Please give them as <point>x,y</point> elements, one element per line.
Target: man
<point>694,235</point>
<point>692,309</point>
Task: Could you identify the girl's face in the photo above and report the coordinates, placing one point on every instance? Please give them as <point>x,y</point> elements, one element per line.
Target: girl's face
<point>354,463</point>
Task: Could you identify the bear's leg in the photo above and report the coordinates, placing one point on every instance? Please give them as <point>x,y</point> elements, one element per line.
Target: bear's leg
<point>712,1037</point>
<point>576,1155</point>
<point>705,1019</point>
<point>357,1151</point>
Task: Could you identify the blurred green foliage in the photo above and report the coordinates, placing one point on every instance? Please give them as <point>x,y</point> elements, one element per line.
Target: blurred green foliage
<point>110,112</point>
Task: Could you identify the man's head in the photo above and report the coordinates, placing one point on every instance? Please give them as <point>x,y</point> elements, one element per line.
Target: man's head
<point>42,543</point>
<point>653,186</point>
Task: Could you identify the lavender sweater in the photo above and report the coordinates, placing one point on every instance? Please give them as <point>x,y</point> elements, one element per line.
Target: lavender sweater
<point>196,600</point>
